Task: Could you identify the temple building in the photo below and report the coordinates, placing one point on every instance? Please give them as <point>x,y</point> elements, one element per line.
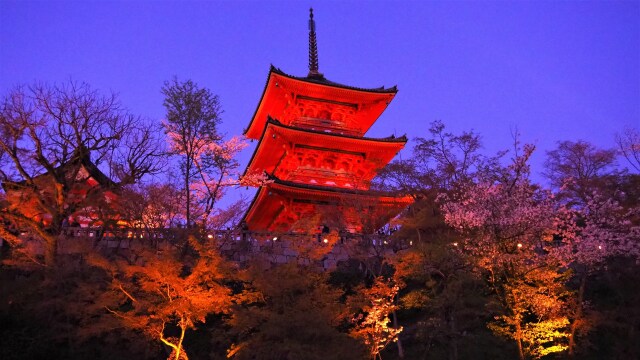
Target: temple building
<point>317,160</point>
<point>88,186</point>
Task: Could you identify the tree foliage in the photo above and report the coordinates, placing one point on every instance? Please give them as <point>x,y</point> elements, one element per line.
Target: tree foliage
<point>151,292</point>
<point>50,136</point>
<point>193,116</point>
<point>291,312</point>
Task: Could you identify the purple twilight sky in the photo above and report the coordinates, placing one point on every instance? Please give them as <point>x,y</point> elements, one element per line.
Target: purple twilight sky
<point>554,70</point>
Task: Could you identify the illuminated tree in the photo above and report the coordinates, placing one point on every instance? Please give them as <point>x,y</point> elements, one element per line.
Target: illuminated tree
<point>49,137</point>
<point>505,222</point>
<point>593,225</point>
<point>373,325</point>
<point>445,298</point>
<point>590,235</point>
<point>193,116</point>
<point>164,295</point>
<point>216,171</point>
<point>152,206</point>
<point>435,282</point>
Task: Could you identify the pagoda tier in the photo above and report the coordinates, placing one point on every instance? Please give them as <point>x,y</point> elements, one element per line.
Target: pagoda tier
<point>318,104</point>
<point>283,206</point>
<point>319,158</point>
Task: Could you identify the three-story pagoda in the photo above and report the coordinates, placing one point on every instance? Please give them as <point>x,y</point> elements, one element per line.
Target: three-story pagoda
<point>312,147</point>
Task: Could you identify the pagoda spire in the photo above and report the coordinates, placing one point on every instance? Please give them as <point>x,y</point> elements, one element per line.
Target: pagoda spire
<point>313,48</point>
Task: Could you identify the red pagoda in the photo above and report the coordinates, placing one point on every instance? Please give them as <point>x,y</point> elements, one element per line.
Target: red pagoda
<point>313,150</point>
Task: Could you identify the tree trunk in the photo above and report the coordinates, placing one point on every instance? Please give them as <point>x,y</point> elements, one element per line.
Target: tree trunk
<point>453,354</point>
<point>578,316</point>
<point>398,342</point>
<point>187,191</point>
<point>519,340</point>
<point>51,250</point>
<point>179,349</point>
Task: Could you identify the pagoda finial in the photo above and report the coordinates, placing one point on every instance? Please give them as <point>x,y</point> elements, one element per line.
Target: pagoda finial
<point>313,48</point>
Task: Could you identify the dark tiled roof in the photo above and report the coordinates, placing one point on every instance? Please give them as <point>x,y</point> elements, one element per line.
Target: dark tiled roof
<point>314,187</point>
<point>331,189</point>
<point>391,138</point>
<point>320,79</point>
<point>84,161</point>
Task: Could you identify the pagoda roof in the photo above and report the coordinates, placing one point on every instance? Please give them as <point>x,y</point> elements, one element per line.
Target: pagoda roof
<point>277,137</point>
<point>280,86</point>
<point>320,79</point>
<point>270,204</point>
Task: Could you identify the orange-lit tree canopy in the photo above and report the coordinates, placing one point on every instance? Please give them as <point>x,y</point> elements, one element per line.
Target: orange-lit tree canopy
<point>319,158</point>
<point>283,206</point>
<point>317,153</point>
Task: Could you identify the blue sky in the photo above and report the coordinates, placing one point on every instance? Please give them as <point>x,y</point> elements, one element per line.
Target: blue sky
<point>554,70</point>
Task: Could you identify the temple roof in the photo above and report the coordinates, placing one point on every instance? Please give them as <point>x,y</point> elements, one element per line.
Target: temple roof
<point>277,205</point>
<point>338,192</point>
<point>320,79</point>
<point>281,89</point>
<point>278,139</point>
<point>83,161</point>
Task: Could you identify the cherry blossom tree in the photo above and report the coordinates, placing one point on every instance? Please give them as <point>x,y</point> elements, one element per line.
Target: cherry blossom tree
<point>193,116</point>
<point>592,224</point>
<point>588,237</point>
<point>216,171</point>
<point>505,222</point>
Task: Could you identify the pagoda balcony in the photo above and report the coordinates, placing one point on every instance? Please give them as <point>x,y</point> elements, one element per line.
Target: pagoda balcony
<point>284,150</point>
<point>325,177</point>
<point>326,125</point>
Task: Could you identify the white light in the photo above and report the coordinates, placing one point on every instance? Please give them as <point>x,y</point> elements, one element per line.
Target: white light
<point>385,242</point>
<point>326,241</point>
<point>210,236</point>
<point>519,245</point>
<point>599,247</point>
<point>275,238</point>
<point>455,244</point>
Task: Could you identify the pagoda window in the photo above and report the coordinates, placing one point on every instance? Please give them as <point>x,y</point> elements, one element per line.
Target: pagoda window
<point>309,113</point>
<point>310,162</point>
<point>324,114</point>
<point>328,164</point>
